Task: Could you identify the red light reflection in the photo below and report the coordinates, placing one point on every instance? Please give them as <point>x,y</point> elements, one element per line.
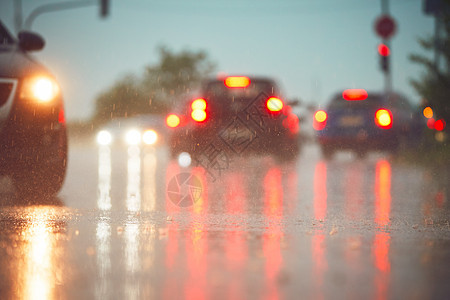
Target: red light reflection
<point>320,263</point>
<point>382,238</point>
<point>272,238</point>
<point>354,191</point>
<point>382,193</point>
<point>273,191</point>
<point>320,191</point>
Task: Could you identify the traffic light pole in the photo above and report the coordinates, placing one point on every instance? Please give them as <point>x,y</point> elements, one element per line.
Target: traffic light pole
<point>387,72</point>
<point>51,7</point>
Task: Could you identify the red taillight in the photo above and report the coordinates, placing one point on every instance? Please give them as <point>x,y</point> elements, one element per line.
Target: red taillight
<point>430,123</point>
<point>383,118</point>
<point>320,120</point>
<point>439,125</point>
<point>292,123</point>
<point>355,95</point>
<point>199,103</point>
<point>274,104</point>
<point>237,82</point>
<point>198,113</point>
<point>61,116</point>
<point>172,120</point>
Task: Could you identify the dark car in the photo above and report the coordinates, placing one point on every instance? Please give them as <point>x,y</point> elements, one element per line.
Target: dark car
<point>360,121</point>
<point>33,147</point>
<point>235,115</point>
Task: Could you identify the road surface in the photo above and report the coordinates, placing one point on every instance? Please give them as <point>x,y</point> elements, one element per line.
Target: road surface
<point>133,224</point>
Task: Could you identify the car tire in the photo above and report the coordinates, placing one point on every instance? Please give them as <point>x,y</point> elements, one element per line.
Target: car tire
<point>44,175</point>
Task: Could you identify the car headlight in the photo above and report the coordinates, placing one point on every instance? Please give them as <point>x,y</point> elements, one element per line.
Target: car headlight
<point>41,88</point>
<point>133,137</point>
<point>104,138</point>
<point>150,137</point>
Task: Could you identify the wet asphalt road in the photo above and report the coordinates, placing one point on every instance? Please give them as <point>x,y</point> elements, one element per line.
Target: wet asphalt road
<point>340,229</point>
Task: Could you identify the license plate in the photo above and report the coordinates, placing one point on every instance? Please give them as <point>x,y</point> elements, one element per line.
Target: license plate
<point>350,121</point>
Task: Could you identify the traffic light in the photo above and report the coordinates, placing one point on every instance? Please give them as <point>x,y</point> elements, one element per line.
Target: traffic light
<point>104,8</point>
<point>384,52</point>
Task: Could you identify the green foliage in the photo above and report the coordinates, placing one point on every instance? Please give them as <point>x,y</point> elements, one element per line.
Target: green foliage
<point>158,89</point>
<point>434,85</point>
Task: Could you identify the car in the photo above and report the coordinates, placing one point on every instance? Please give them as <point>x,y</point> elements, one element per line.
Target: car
<point>361,122</point>
<point>136,130</point>
<point>235,115</point>
<point>33,147</point>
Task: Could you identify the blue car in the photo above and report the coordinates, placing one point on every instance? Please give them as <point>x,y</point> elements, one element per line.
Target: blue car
<point>359,121</point>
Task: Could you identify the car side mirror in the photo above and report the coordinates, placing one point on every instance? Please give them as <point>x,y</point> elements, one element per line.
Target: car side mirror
<point>30,41</point>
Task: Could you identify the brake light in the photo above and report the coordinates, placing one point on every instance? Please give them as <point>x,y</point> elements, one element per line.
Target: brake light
<point>292,123</point>
<point>320,120</point>
<point>237,82</point>
<point>61,117</point>
<point>172,121</point>
<point>198,110</point>
<point>198,115</point>
<point>355,94</point>
<point>439,125</point>
<point>274,104</point>
<point>199,104</point>
<point>383,118</point>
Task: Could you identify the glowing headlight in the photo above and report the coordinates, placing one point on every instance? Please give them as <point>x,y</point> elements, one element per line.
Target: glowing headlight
<point>43,89</point>
<point>133,137</point>
<point>150,137</point>
<point>104,138</point>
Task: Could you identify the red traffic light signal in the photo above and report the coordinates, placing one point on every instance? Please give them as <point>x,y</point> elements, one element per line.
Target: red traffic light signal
<point>383,50</point>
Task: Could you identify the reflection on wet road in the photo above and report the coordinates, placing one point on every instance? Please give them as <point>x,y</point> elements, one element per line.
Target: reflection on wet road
<point>318,229</point>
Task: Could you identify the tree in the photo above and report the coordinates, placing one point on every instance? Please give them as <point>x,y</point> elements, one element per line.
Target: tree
<point>157,89</point>
<point>434,85</point>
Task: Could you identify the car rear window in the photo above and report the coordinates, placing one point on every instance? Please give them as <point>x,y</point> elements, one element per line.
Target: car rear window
<point>339,102</point>
<point>217,90</point>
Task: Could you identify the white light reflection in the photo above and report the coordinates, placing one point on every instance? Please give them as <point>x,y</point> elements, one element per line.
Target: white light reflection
<point>39,263</point>
<point>132,261</point>
<point>39,275</point>
<point>103,236</point>
<point>133,201</point>
<point>184,159</point>
<point>149,201</point>
<point>104,178</point>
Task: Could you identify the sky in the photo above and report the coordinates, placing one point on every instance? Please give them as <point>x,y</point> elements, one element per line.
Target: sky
<point>314,49</point>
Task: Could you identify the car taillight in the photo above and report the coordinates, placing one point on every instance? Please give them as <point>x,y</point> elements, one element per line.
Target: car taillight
<point>274,104</point>
<point>439,125</point>
<point>383,118</point>
<point>198,115</point>
<point>292,123</point>
<point>355,94</point>
<point>237,82</point>
<point>320,120</point>
<point>199,110</point>
<point>61,116</point>
<point>172,120</point>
